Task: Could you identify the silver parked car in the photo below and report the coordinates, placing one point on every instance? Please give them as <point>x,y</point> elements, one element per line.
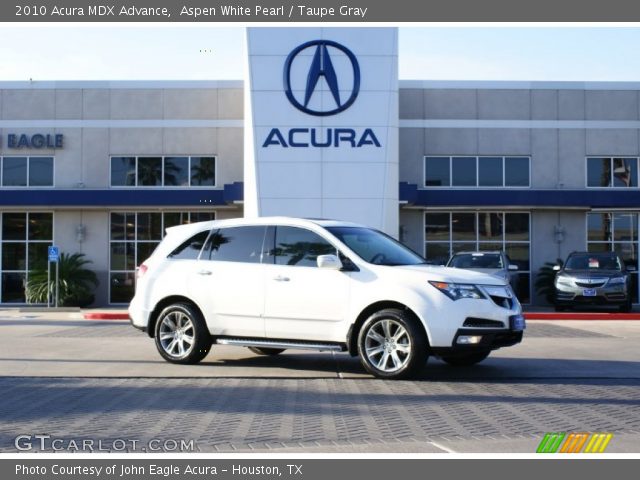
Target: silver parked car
<point>494,263</point>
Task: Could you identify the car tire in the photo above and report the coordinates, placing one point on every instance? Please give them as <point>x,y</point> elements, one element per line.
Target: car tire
<point>465,360</point>
<point>266,351</point>
<point>176,325</point>
<point>392,344</point>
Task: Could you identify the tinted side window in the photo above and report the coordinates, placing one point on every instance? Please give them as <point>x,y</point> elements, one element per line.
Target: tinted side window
<point>300,247</point>
<point>235,244</point>
<point>190,249</point>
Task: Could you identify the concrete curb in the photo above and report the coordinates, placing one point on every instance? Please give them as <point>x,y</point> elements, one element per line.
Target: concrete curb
<point>105,316</point>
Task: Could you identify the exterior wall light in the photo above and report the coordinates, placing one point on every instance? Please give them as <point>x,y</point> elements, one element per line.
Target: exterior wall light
<point>81,233</point>
<point>558,233</point>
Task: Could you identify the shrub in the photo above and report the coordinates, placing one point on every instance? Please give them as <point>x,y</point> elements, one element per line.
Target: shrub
<point>77,283</point>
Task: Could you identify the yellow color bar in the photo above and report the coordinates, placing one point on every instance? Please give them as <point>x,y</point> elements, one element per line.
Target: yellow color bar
<point>591,442</point>
<point>598,442</point>
<point>607,439</point>
<point>596,446</point>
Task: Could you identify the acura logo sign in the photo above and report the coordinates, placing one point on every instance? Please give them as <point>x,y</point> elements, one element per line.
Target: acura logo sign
<point>322,66</point>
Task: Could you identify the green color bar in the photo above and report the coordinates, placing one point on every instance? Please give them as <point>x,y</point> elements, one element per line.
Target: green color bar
<point>543,443</point>
<point>558,442</point>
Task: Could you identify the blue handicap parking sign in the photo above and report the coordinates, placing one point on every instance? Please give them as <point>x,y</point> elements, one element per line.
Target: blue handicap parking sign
<point>54,253</point>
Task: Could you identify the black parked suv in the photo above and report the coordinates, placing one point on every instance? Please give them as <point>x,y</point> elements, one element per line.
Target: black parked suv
<point>592,279</point>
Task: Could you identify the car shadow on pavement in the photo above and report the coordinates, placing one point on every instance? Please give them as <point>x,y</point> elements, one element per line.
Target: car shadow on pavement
<point>535,370</point>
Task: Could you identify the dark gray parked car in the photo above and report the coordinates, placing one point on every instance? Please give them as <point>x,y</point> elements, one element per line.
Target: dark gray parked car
<point>592,279</point>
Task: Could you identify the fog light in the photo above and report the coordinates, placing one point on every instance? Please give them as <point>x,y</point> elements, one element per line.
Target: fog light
<point>469,339</point>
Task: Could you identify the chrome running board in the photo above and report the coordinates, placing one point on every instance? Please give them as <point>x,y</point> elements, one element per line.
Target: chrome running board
<point>286,344</point>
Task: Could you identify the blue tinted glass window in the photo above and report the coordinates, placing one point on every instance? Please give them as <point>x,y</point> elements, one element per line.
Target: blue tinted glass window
<point>463,171</point>
<point>176,171</point>
<point>516,172</point>
<point>436,172</point>
<point>490,171</point>
<point>203,171</point>
<point>123,171</point>
<point>14,171</point>
<point>41,171</point>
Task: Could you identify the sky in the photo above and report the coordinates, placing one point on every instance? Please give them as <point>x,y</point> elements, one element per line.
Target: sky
<point>107,52</point>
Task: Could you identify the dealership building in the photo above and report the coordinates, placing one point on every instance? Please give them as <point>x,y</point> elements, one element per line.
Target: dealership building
<point>320,127</point>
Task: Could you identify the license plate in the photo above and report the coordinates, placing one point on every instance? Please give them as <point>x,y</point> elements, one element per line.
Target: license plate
<point>589,292</point>
<point>518,323</point>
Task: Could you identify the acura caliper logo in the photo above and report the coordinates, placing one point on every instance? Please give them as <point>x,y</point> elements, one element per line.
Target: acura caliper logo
<point>322,66</point>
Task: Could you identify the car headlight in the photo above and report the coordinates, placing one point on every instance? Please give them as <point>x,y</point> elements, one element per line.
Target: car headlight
<point>456,291</point>
<point>616,280</point>
<point>564,281</point>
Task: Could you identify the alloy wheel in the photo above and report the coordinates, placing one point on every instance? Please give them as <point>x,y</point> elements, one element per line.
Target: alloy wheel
<point>176,334</point>
<point>387,345</point>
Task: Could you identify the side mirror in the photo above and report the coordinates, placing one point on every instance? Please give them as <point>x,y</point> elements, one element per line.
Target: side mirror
<point>513,268</point>
<point>556,268</point>
<point>330,262</point>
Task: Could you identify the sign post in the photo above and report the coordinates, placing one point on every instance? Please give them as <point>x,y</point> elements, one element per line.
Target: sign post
<point>54,255</point>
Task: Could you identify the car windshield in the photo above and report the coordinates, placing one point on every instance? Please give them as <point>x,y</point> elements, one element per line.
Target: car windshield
<point>476,260</point>
<point>376,247</point>
<point>593,262</point>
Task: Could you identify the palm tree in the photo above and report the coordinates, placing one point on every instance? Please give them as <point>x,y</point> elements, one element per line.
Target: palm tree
<point>77,283</point>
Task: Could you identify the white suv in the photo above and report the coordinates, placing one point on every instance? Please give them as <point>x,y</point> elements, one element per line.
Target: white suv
<point>272,284</point>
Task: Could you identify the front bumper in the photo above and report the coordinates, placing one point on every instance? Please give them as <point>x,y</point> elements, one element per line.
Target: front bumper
<point>608,295</point>
<point>490,339</point>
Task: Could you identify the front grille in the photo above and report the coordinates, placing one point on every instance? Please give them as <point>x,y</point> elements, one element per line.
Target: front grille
<point>474,322</point>
<point>590,285</point>
<point>593,282</point>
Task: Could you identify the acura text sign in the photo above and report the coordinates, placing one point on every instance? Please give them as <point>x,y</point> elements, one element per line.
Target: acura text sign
<point>322,123</point>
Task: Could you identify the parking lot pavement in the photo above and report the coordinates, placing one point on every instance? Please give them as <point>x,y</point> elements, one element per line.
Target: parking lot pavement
<point>77,379</point>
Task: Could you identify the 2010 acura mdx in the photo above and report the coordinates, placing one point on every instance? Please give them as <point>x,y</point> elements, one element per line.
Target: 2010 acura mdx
<point>272,284</point>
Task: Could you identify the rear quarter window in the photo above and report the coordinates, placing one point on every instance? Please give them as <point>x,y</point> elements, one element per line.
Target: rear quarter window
<point>190,249</point>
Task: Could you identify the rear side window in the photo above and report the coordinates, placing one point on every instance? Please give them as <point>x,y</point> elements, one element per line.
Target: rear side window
<point>235,244</point>
<point>190,249</point>
<point>299,247</point>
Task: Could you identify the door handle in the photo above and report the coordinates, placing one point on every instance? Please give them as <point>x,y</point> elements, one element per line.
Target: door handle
<point>280,278</point>
<point>204,272</point>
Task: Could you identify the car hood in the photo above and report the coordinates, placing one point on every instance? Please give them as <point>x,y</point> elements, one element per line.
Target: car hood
<point>447,274</point>
<point>592,273</point>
